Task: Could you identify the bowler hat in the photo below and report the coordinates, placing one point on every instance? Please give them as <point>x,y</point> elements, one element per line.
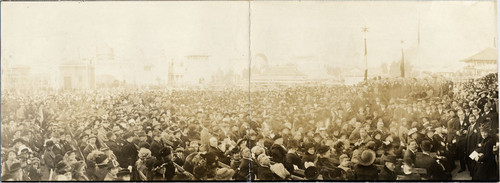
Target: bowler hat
<point>311,173</point>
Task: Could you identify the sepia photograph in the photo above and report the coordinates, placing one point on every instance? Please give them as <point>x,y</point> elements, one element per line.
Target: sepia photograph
<point>249,91</point>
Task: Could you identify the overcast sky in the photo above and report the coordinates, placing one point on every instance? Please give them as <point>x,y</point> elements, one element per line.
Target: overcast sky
<point>153,32</point>
<point>332,31</point>
<point>48,33</point>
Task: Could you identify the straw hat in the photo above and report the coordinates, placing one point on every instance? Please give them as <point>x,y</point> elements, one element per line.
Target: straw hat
<point>367,157</point>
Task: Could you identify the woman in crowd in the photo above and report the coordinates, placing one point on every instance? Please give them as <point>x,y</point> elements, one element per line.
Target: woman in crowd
<point>291,133</point>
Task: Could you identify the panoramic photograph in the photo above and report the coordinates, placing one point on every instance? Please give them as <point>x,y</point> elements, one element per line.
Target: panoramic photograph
<point>249,91</point>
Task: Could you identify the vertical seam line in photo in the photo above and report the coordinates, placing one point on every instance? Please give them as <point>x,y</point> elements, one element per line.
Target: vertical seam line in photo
<point>250,172</point>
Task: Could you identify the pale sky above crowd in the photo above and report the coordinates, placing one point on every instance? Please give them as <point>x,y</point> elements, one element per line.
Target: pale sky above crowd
<point>332,31</point>
<point>45,34</point>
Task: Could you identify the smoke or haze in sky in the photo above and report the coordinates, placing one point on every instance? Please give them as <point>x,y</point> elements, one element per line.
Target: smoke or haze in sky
<point>45,34</point>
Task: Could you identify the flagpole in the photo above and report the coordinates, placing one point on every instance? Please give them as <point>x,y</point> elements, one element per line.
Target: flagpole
<point>365,30</point>
<point>402,67</point>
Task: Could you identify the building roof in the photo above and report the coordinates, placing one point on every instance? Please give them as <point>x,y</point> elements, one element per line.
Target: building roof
<point>287,72</point>
<point>488,55</point>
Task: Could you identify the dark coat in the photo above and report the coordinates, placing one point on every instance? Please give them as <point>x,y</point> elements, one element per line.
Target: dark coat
<point>155,148</point>
<point>386,174</point>
<point>462,137</point>
<point>472,139</point>
<point>413,176</point>
<point>59,150</point>
<point>325,164</point>
<point>88,149</point>
<point>265,173</point>
<point>222,157</point>
<point>129,154</point>
<point>101,172</point>
<point>409,156</point>
<point>144,144</point>
<point>34,174</point>
<point>465,124</point>
<point>293,159</point>
<point>492,116</point>
<point>368,173</point>
<point>49,158</point>
<point>308,157</point>
<point>245,170</point>
<point>66,146</point>
<point>434,170</point>
<point>453,126</point>
<point>486,167</point>
<point>113,145</point>
<point>436,143</point>
<point>278,153</point>
<point>169,169</point>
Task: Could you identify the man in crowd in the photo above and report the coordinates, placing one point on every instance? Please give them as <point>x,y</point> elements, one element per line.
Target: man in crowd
<point>294,133</point>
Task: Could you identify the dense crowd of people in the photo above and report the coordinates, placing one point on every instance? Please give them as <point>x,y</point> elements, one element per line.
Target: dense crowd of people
<point>386,129</point>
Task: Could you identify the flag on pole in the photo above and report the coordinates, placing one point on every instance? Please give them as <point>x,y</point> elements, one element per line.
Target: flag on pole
<point>402,67</point>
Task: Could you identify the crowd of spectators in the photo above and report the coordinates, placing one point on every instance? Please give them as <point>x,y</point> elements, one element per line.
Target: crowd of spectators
<point>386,129</point>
